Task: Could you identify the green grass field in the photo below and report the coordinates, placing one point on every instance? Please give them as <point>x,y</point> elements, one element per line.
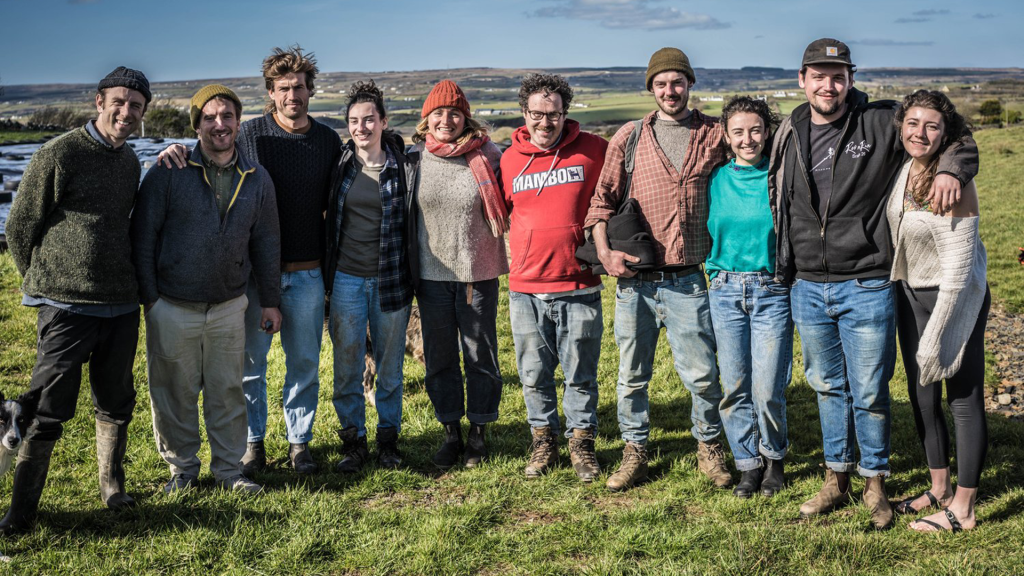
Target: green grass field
<point>8,137</point>
<point>492,520</point>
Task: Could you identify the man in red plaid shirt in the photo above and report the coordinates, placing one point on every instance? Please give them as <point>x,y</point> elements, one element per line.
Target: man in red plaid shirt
<point>676,151</point>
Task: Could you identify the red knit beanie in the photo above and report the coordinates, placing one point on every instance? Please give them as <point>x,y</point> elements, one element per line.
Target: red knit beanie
<point>446,94</point>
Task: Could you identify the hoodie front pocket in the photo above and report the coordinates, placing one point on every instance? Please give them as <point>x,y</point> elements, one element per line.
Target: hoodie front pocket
<point>548,252</point>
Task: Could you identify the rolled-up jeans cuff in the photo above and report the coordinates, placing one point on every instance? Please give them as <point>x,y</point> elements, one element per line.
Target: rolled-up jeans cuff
<point>448,417</point>
<point>481,418</point>
<point>770,454</point>
<point>842,467</point>
<point>872,473</point>
<point>748,464</point>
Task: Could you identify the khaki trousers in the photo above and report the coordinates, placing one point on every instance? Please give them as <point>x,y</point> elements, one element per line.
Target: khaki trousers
<point>192,347</point>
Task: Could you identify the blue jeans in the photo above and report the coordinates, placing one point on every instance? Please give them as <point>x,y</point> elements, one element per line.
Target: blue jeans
<point>354,303</point>
<point>302,330</point>
<point>754,333</point>
<point>448,320</point>
<point>679,305</point>
<point>848,333</point>
<point>564,330</point>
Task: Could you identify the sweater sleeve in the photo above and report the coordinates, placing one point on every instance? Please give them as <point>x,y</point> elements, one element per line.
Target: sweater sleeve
<point>961,296</point>
<point>147,221</point>
<point>36,197</point>
<point>960,160</point>
<point>265,246</point>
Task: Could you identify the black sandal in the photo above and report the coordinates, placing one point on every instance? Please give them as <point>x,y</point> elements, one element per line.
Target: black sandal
<point>954,524</point>
<point>905,507</point>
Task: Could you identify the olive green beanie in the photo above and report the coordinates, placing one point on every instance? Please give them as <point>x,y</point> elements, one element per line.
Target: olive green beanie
<point>669,59</point>
<point>204,95</point>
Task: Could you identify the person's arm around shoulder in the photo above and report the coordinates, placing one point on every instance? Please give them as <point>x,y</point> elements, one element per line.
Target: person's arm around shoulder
<point>265,254</point>
<point>957,165</point>
<point>148,218</point>
<point>174,156</point>
<point>36,197</point>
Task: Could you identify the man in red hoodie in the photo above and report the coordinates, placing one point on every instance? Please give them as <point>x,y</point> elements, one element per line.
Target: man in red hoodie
<point>549,175</point>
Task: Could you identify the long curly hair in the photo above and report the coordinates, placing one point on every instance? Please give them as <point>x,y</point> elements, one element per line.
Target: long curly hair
<point>748,105</point>
<point>956,129</point>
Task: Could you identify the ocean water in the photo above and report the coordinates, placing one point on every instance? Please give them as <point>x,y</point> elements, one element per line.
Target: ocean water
<point>12,167</point>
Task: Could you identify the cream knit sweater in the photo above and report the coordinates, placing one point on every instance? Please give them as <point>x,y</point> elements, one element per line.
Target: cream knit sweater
<point>939,251</point>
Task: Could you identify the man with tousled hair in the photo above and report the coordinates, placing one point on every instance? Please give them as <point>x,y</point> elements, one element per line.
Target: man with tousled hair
<point>676,150</point>
<point>549,174</point>
<point>68,234</point>
<point>299,153</point>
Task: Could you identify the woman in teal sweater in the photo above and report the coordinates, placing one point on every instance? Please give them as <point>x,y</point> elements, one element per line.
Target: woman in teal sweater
<point>749,309</point>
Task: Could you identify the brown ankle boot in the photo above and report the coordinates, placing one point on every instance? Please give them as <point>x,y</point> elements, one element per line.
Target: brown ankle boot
<point>827,499</point>
<point>877,502</point>
<point>581,452</point>
<point>633,469</point>
<point>711,461</point>
<point>545,452</point>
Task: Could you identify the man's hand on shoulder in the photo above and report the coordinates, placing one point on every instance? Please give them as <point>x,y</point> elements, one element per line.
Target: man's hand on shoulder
<point>174,155</point>
<point>945,193</point>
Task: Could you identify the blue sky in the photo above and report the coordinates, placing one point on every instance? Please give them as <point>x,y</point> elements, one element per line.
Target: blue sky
<point>81,40</point>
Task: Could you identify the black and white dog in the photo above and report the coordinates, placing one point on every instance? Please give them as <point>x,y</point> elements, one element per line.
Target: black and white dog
<point>15,418</point>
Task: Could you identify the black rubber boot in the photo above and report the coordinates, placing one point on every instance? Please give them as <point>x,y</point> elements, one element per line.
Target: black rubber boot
<point>750,481</point>
<point>354,448</point>
<point>476,445</point>
<point>29,479</point>
<point>774,477</point>
<point>387,448</point>
<point>448,454</point>
<point>111,444</point>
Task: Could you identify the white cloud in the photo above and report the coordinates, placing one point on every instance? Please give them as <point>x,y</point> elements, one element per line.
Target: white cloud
<point>629,14</point>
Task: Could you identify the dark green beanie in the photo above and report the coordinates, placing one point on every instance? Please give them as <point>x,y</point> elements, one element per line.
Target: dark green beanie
<point>204,95</point>
<point>669,59</point>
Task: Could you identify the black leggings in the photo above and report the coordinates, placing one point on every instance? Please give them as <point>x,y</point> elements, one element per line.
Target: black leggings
<point>965,390</point>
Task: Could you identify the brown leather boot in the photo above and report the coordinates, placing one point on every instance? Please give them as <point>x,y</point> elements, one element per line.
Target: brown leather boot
<point>827,499</point>
<point>545,452</point>
<point>633,469</point>
<point>111,444</point>
<point>581,452</point>
<point>877,502</point>
<point>711,461</point>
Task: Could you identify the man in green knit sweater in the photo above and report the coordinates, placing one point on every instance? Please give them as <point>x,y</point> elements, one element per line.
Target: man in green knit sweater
<point>68,234</point>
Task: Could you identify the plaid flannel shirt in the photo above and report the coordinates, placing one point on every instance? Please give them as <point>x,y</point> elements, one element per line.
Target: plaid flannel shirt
<point>393,282</point>
<point>674,204</point>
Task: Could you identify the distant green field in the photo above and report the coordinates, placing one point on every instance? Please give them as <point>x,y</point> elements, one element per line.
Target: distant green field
<point>24,136</point>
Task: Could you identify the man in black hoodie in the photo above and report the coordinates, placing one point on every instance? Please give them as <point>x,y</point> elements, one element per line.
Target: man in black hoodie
<point>832,168</point>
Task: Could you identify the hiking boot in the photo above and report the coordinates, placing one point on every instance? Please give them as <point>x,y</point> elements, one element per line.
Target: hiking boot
<point>180,482</point>
<point>29,479</point>
<point>448,454</point>
<point>633,469</point>
<point>828,498</point>
<point>750,481</point>
<point>711,461</point>
<point>581,452</point>
<point>544,453</point>
<point>302,459</point>
<point>388,455</point>
<point>240,484</point>
<point>355,450</point>
<point>774,477</point>
<point>877,502</point>
<point>255,458</point>
<point>111,444</point>
<point>476,446</point>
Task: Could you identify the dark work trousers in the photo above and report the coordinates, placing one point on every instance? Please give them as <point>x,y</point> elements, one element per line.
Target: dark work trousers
<point>454,313</point>
<point>965,390</point>
<point>65,342</point>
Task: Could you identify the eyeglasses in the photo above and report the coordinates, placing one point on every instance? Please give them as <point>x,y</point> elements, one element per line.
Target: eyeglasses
<point>538,116</point>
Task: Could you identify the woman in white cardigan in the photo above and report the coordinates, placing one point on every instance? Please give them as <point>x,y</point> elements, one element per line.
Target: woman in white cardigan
<point>943,304</point>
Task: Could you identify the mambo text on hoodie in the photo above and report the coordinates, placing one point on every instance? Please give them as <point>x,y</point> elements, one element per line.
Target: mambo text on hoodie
<point>548,194</point>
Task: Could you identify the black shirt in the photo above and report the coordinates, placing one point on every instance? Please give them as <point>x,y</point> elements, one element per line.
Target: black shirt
<point>824,144</point>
